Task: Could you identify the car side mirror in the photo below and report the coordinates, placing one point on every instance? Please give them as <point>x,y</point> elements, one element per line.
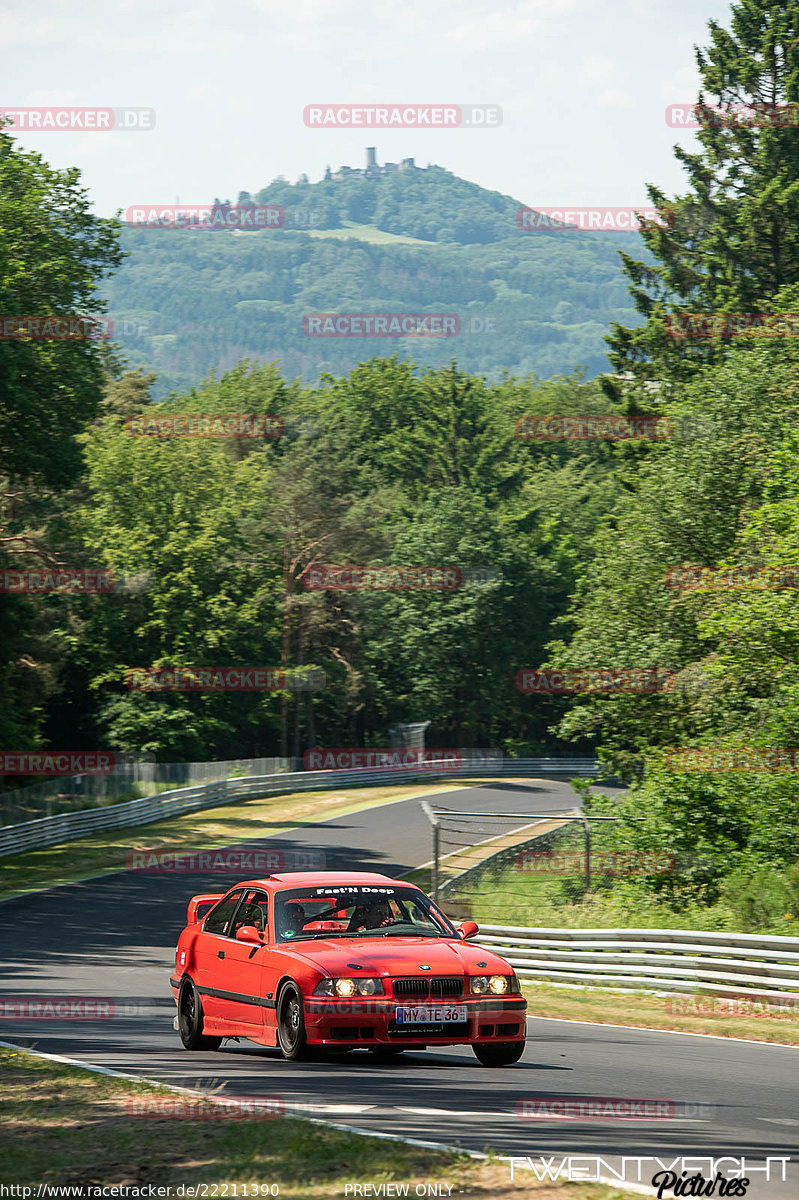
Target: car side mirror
<point>467,929</point>
<point>248,933</point>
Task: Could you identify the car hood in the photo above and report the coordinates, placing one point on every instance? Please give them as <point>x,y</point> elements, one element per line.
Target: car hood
<point>398,956</point>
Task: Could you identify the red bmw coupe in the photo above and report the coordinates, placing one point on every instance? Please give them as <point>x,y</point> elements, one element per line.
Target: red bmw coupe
<point>341,960</point>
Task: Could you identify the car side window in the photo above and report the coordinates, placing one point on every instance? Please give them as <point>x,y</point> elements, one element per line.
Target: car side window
<point>253,911</point>
<point>219,917</point>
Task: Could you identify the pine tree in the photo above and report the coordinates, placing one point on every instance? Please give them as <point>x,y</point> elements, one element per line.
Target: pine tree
<point>732,240</point>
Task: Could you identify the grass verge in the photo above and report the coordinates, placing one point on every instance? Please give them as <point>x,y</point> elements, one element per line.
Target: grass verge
<point>62,1125</point>
<point>723,1017</point>
<point>208,829</point>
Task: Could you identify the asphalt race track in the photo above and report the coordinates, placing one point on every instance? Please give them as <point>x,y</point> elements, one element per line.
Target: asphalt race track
<point>114,938</point>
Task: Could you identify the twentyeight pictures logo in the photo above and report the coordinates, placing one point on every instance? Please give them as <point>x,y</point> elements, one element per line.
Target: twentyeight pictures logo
<point>402,116</point>
<point>80,120</point>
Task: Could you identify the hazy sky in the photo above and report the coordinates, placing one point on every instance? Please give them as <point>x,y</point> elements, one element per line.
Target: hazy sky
<point>583,85</point>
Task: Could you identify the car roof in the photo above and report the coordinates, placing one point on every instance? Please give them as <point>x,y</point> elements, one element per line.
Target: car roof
<point>308,878</point>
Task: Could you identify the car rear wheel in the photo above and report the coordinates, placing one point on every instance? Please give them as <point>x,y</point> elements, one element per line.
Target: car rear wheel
<point>190,1020</point>
<point>291,1035</point>
<point>500,1055</point>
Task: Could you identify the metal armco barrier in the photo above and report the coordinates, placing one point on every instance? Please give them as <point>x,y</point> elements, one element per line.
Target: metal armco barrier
<point>674,960</point>
<point>67,827</point>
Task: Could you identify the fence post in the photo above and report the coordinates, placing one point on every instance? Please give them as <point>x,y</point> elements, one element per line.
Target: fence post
<point>587,828</point>
<point>433,819</point>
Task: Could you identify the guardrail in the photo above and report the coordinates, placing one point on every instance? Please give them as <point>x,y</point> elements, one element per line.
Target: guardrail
<point>676,960</point>
<point>67,827</point>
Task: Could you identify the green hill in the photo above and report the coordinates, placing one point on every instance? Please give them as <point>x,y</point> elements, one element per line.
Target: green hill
<point>420,240</point>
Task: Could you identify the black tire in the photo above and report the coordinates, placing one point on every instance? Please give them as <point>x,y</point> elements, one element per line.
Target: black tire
<point>500,1055</point>
<point>291,1037</point>
<point>190,1020</point>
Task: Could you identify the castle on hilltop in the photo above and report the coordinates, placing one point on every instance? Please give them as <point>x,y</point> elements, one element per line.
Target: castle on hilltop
<point>372,170</point>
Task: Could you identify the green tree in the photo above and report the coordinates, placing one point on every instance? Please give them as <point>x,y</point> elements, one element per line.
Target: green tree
<point>732,240</point>
<point>53,253</point>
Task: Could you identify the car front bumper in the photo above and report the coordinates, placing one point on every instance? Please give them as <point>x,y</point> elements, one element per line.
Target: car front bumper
<point>371,1022</point>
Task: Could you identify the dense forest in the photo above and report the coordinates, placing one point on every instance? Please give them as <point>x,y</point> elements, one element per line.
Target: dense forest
<point>567,549</point>
<point>188,301</point>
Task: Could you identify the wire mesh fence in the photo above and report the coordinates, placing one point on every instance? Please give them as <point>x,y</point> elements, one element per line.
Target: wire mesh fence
<point>127,780</point>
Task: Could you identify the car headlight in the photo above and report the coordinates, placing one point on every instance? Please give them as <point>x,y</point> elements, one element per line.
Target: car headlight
<point>345,989</point>
<point>494,985</point>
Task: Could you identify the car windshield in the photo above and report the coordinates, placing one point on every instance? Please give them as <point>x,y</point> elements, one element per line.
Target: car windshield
<point>356,910</point>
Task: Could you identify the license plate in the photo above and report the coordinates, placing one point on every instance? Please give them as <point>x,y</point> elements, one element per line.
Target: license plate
<point>445,1014</point>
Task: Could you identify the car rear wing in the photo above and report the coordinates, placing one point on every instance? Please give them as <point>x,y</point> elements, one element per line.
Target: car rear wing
<point>193,916</point>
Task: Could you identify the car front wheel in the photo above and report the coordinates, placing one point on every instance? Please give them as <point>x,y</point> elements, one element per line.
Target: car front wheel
<point>291,1035</point>
<point>500,1055</point>
<point>190,1020</point>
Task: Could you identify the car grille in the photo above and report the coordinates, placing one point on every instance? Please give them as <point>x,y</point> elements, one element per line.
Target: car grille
<point>434,988</point>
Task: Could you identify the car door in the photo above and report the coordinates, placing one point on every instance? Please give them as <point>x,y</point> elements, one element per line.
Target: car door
<point>210,965</point>
<point>245,1004</point>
